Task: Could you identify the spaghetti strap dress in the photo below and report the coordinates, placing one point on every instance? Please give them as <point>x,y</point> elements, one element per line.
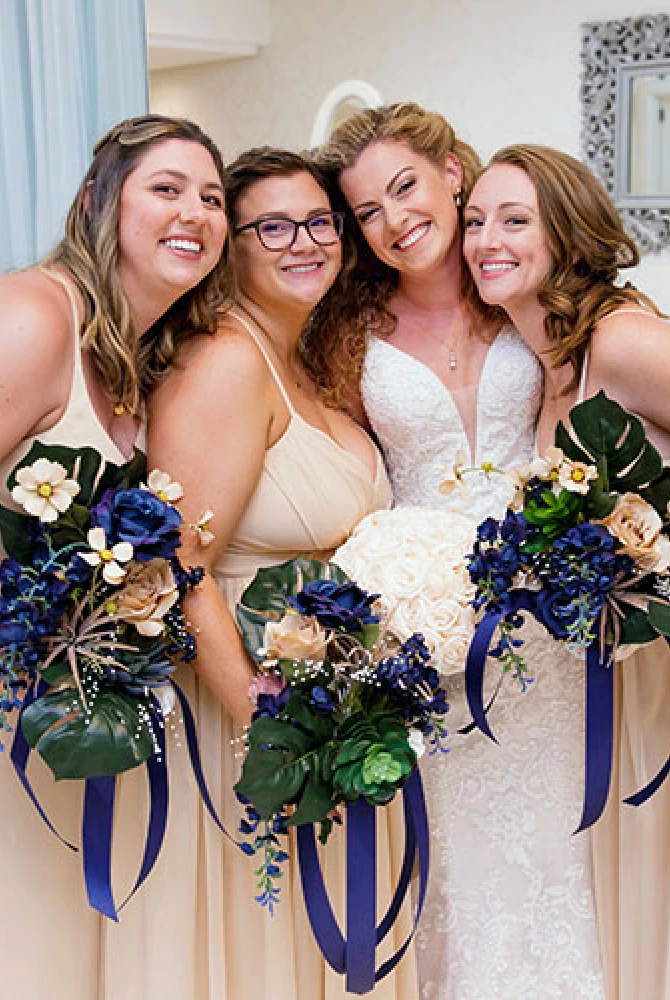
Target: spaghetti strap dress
<point>52,936</point>
<point>631,846</point>
<point>194,932</point>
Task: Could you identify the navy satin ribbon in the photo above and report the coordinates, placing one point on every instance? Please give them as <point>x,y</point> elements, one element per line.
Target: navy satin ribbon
<point>475,664</point>
<point>646,793</point>
<point>599,733</point>
<point>20,752</point>
<point>355,956</point>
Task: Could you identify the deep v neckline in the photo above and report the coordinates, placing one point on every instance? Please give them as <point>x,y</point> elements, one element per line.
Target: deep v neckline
<point>472,448</point>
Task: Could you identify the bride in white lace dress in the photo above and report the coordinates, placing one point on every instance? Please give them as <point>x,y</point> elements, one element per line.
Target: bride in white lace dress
<point>544,241</point>
<point>510,911</point>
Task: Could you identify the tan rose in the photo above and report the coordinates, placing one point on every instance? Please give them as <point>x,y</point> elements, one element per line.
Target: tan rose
<point>149,592</point>
<point>295,637</point>
<point>638,527</point>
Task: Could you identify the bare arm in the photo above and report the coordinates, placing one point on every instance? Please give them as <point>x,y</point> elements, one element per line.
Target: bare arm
<point>630,361</point>
<point>36,351</point>
<point>209,426</point>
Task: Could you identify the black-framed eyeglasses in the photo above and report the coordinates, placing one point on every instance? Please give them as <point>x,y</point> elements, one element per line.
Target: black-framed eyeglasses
<point>280,233</point>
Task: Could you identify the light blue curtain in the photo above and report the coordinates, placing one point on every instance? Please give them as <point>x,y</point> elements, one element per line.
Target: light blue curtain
<point>69,69</point>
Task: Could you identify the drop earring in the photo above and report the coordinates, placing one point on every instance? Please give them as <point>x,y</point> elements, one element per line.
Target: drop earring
<point>458,198</point>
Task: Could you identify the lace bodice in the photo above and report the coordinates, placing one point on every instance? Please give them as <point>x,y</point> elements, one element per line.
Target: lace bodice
<point>509,913</point>
<point>420,429</point>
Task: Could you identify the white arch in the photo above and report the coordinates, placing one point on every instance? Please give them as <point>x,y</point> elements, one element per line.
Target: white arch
<point>357,93</point>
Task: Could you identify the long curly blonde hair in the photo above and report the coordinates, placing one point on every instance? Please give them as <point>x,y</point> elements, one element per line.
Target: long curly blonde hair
<point>128,364</point>
<point>588,245</point>
<point>361,306</point>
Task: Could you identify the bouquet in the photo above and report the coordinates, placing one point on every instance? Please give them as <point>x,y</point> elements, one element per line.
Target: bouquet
<point>343,709</point>
<point>90,619</point>
<point>586,551</point>
<point>417,559</point>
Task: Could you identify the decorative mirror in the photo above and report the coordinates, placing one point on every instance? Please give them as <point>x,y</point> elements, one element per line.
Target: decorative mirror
<point>341,102</point>
<point>626,120</point>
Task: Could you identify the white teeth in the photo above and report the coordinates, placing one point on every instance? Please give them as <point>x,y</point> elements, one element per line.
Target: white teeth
<point>412,238</point>
<point>190,246</point>
<point>302,268</point>
<point>498,267</point>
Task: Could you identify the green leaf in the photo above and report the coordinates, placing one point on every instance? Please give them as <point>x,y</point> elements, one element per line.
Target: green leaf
<point>635,628</point>
<point>56,672</point>
<point>659,617</point>
<point>276,766</point>
<point>110,740</point>
<point>265,599</point>
<point>13,528</point>
<point>606,433</point>
<point>316,801</point>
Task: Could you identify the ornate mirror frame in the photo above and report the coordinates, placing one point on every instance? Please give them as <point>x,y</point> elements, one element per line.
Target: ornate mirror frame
<point>609,50</point>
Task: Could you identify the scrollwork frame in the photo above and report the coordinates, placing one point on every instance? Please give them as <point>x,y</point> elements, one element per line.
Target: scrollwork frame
<point>606,46</point>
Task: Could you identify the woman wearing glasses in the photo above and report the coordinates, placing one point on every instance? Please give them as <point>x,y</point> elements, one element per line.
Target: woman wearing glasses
<point>242,426</point>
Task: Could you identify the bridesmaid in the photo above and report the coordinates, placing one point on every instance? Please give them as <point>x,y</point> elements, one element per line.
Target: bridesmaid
<point>544,241</point>
<point>242,425</point>
<point>82,335</point>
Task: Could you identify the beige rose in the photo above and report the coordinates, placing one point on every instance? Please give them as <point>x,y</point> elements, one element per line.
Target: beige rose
<point>295,637</point>
<point>638,527</point>
<point>149,591</point>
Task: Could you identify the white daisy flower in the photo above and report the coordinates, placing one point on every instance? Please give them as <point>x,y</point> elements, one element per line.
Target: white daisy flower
<point>160,484</point>
<point>110,559</point>
<point>44,490</point>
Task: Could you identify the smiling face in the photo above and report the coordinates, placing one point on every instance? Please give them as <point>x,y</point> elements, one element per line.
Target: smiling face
<point>172,223</point>
<point>505,242</point>
<point>295,278</point>
<point>404,204</point>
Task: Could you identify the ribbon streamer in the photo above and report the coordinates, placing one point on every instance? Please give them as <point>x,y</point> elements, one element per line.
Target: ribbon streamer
<point>355,956</point>
<point>599,733</point>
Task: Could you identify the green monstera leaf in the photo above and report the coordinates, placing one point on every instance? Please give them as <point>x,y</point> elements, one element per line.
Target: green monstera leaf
<point>265,599</point>
<point>283,764</point>
<point>607,435</point>
<point>109,740</point>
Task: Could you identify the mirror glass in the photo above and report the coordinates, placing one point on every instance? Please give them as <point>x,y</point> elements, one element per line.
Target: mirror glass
<point>648,101</point>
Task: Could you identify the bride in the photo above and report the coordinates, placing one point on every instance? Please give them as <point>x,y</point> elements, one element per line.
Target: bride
<point>442,380</point>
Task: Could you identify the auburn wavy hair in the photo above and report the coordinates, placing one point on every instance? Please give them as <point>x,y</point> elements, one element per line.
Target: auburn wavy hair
<point>361,305</point>
<point>130,365</point>
<point>588,246</point>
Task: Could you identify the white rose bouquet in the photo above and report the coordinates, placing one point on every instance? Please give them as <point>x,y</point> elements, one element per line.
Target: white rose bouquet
<point>417,559</point>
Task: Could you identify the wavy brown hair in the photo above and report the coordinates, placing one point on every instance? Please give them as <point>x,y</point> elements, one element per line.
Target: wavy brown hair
<point>130,365</point>
<point>266,161</point>
<point>345,320</point>
<point>588,245</point>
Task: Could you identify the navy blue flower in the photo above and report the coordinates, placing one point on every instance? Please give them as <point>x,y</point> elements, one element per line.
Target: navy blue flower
<point>321,700</point>
<point>342,606</point>
<point>141,518</point>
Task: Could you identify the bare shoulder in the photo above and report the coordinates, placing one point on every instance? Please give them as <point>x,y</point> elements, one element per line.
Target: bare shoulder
<point>626,331</point>
<point>220,372</point>
<point>35,319</point>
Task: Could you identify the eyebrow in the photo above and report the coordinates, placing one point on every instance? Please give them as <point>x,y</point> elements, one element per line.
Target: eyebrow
<point>178,175</point>
<point>505,205</point>
<point>387,189</point>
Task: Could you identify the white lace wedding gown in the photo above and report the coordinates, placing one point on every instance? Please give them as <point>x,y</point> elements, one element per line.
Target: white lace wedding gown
<point>509,913</point>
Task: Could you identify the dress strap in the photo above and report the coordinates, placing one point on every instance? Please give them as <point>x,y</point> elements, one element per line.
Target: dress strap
<point>583,377</point>
<point>74,306</point>
<point>261,347</point>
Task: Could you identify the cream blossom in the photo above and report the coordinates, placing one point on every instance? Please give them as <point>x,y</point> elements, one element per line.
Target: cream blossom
<point>44,490</point>
<point>295,637</point>
<point>416,560</point>
<point>416,741</point>
<point>201,527</point>
<point>149,591</point>
<point>638,526</point>
<point>110,559</point>
<point>519,477</point>
<point>548,466</point>
<point>160,484</point>
<point>453,475</point>
<point>575,476</point>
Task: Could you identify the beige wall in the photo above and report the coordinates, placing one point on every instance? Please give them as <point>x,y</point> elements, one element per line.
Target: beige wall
<point>501,70</point>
